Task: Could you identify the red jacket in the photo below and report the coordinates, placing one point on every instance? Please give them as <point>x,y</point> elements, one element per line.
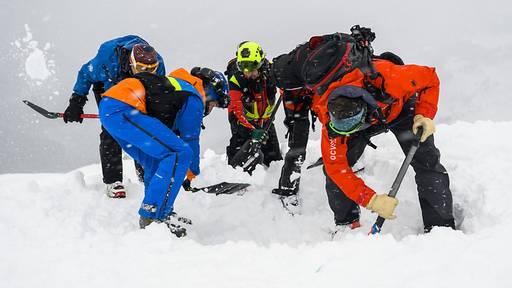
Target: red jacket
<point>401,82</point>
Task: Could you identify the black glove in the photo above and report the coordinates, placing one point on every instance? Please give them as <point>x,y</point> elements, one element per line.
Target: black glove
<point>75,109</point>
<point>187,187</point>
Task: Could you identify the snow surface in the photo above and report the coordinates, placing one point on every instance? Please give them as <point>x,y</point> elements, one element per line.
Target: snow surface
<point>60,230</point>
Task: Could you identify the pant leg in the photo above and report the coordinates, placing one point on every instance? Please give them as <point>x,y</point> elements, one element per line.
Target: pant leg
<point>156,147</point>
<point>297,143</point>
<point>110,151</point>
<point>431,177</point>
<point>111,158</point>
<point>345,210</point>
<point>271,150</point>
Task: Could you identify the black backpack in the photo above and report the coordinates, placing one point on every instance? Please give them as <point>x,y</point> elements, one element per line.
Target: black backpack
<point>162,100</point>
<point>324,59</point>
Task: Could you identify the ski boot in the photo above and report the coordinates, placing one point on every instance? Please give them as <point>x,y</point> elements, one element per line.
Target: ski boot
<point>174,222</point>
<point>115,190</point>
<point>289,199</point>
<point>342,229</point>
<point>143,222</point>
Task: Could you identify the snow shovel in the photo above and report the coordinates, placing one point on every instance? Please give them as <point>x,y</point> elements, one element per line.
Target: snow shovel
<point>377,227</point>
<point>250,153</point>
<point>222,188</point>
<point>54,115</point>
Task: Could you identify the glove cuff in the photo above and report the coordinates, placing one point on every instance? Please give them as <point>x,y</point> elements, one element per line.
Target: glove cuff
<point>78,100</point>
<point>419,116</point>
<point>369,206</point>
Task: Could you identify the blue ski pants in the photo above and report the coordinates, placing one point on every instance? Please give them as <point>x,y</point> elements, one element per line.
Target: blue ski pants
<point>164,156</point>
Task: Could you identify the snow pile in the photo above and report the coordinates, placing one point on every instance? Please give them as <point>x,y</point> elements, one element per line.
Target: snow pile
<point>37,67</point>
<point>60,230</point>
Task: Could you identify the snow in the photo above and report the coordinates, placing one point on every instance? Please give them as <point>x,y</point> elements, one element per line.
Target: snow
<point>36,64</point>
<point>60,230</point>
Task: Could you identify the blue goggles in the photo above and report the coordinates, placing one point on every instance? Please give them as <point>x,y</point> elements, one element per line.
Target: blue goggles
<point>348,125</point>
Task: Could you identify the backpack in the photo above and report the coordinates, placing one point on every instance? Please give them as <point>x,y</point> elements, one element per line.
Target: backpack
<point>162,100</point>
<point>324,59</point>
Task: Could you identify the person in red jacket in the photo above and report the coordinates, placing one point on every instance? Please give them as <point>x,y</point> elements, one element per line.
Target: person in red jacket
<point>401,99</point>
<point>253,97</point>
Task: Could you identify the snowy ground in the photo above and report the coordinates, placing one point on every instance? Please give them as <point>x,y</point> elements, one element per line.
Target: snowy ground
<point>60,230</point>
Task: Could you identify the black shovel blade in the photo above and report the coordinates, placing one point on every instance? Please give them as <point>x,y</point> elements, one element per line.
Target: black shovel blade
<point>42,111</point>
<point>224,188</point>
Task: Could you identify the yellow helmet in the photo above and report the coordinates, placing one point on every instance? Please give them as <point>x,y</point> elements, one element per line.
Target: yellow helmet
<point>249,56</point>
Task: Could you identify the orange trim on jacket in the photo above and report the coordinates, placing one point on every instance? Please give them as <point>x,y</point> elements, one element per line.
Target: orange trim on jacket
<point>401,82</point>
<point>194,81</point>
<point>130,91</point>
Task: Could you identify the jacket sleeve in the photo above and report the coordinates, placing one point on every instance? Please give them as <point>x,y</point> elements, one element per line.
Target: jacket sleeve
<point>236,105</point>
<point>189,122</point>
<point>95,70</point>
<point>422,80</point>
<point>86,77</point>
<point>334,155</point>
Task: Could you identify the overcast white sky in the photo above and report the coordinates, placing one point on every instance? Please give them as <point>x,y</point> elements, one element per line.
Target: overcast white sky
<point>469,42</point>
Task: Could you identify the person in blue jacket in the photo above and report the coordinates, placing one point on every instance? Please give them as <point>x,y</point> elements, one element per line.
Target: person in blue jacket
<point>157,121</point>
<point>116,60</point>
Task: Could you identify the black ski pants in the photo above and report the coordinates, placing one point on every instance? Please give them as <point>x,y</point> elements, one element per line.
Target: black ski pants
<point>240,134</point>
<point>432,180</point>
<point>298,123</point>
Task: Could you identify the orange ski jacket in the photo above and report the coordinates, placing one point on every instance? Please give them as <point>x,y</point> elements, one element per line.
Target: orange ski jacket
<point>401,82</point>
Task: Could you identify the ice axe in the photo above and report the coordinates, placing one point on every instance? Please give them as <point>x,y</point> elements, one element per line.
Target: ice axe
<point>250,152</point>
<point>54,115</point>
<point>377,227</point>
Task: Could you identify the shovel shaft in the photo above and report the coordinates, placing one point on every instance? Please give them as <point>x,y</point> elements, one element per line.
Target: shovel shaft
<point>377,227</point>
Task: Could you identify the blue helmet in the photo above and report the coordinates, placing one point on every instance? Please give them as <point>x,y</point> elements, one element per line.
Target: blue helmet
<point>215,85</point>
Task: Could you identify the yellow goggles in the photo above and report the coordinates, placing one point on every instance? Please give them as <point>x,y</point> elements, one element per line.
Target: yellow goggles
<point>141,67</point>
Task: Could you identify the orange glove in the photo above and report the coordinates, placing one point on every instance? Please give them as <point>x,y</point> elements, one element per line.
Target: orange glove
<point>190,175</point>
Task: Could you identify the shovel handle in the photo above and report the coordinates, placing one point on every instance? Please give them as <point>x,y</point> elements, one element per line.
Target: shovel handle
<point>376,228</point>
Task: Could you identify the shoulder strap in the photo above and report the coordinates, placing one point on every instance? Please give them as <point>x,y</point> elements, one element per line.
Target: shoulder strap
<point>192,80</point>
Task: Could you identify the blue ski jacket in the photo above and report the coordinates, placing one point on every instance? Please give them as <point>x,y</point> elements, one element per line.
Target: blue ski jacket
<point>106,67</point>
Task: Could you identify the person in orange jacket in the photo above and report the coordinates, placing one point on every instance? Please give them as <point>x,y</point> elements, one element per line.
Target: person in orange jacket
<point>352,110</point>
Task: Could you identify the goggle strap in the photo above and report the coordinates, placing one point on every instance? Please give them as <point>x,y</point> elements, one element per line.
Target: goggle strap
<point>331,125</point>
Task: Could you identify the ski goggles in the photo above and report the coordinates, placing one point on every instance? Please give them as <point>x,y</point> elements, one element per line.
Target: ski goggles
<point>248,66</point>
<point>141,67</point>
<point>348,125</point>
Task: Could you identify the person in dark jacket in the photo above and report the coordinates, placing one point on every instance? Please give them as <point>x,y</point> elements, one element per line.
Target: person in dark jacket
<point>157,121</point>
<point>253,95</point>
<point>116,60</point>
